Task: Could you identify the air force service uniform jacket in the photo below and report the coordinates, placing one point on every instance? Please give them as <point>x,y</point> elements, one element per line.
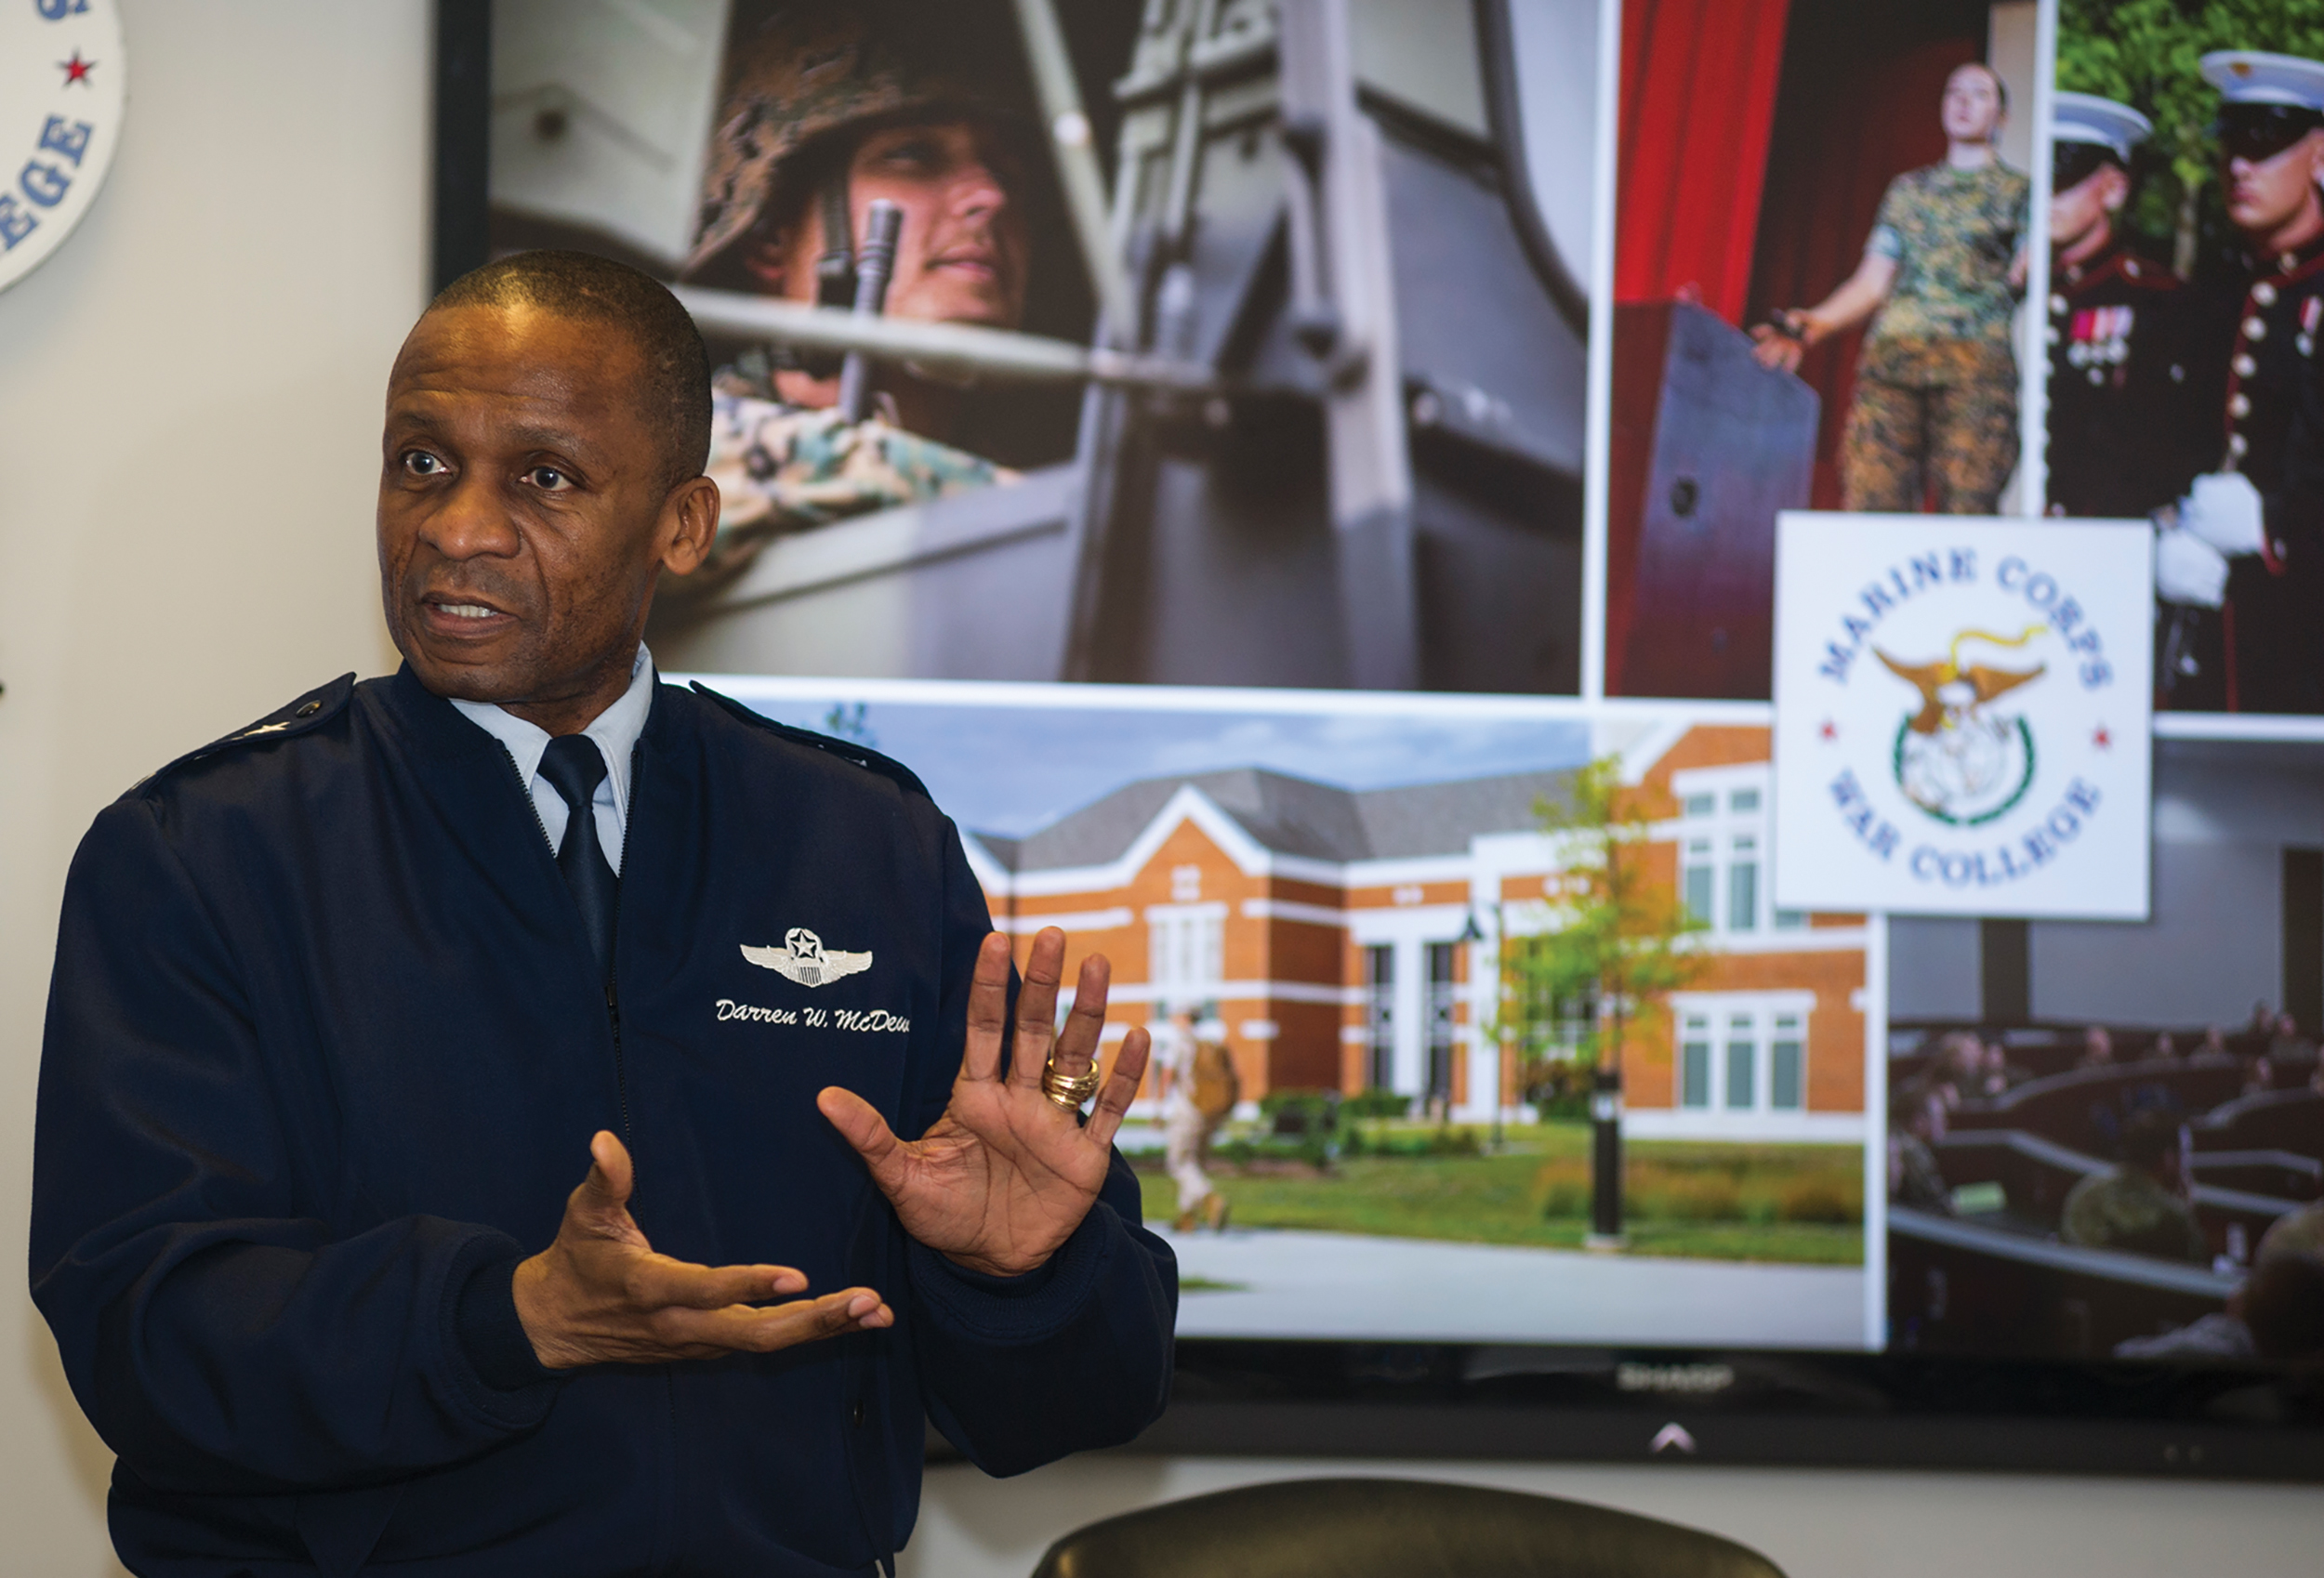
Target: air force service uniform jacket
<point>325,1047</point>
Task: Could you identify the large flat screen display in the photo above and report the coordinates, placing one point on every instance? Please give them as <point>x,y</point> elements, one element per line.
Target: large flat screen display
<point>1677,648</point>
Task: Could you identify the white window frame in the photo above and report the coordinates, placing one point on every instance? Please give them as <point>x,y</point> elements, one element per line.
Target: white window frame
<point>1186,953</point>
<point>1723,829</point>
<point>1759,1014</point>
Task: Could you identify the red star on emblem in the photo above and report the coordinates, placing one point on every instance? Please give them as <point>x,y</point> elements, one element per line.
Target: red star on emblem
<point>75,70</point>
<point>2102,738</point>
<point>1830,731</point>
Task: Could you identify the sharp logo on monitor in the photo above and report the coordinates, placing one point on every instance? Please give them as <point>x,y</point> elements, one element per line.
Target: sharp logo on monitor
<point>1692,1379</point>
<point>1962,715</point>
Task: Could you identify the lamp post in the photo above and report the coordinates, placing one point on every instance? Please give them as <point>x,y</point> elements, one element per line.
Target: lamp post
<point>1605,1147</point>
<point>1472,933</point>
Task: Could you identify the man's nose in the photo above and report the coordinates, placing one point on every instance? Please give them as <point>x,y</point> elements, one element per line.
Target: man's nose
<point>472,523</point>
<point>976,189</point>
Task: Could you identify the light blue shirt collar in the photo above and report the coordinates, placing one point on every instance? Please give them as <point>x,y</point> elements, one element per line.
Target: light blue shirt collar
<point>615,730</point>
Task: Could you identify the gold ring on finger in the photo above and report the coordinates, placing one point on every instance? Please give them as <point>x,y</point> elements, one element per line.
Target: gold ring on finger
<point>1069,1091</point>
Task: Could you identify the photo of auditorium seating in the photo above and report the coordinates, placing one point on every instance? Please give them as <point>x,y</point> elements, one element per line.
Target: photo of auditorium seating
<point>2100,1132</point>
<point>1990,1263</point>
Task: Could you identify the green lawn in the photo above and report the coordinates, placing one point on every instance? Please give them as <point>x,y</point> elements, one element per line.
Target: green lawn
<point>1797,1203</point>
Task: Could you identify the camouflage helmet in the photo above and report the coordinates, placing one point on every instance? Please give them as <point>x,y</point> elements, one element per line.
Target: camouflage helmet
<point>810,69</point>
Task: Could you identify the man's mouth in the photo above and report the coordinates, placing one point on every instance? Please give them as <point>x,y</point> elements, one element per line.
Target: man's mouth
<point>973,262</point>
<point>457,616</point>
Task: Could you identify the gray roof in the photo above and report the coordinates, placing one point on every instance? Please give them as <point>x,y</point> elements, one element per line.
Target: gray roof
<point>1296,816</point>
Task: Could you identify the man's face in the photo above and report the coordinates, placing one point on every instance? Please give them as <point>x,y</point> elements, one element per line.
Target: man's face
<point>963,253</point>
<point>523,507</point>
<point>2082,207</point>
<point>2265,195</point>
<point>1971,109</point>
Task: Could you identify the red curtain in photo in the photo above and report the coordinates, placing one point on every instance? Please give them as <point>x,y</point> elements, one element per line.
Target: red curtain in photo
<point>1854,117</point>
<point>1698,99</point>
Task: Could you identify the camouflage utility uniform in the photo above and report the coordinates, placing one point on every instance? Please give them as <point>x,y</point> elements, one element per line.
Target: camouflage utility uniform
<point>1935,404</point>
<point>781,468</point>
<point>2127,1209</point>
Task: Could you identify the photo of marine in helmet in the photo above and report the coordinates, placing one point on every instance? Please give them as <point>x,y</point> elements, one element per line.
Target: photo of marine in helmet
<point>826,112</point>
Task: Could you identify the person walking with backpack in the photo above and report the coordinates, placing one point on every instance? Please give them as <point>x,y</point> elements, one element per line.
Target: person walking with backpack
<point>1203,1090</point>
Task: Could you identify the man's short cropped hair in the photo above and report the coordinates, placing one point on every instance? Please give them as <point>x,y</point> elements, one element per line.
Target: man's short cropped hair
<point>586,288</point>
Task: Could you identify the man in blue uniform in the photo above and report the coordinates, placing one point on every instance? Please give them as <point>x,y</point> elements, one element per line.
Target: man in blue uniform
<point>2249,537</point>
<point>343,1003</point>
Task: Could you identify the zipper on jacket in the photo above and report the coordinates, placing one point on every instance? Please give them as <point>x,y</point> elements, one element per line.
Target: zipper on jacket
<point>621,1076</point>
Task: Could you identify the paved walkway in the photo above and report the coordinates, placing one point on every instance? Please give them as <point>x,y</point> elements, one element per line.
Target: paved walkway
<point>1348,1286</point>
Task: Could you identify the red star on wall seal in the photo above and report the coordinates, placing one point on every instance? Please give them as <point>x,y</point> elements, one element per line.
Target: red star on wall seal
<point>2100,739</point>
<point>76,70</point>
<point>1831,730</point>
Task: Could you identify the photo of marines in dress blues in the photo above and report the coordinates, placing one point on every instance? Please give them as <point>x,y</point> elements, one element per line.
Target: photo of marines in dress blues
<point>2248,539</point>
<point>2119,435</point>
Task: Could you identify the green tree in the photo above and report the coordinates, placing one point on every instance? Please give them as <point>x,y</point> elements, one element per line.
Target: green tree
<point>2146,54</point>
<point>1618,940</point>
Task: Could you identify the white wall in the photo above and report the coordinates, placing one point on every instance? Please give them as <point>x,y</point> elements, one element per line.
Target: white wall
<point>1935,967</point>
<point>189,398</point>
<point>2216,943</point>
<point>189,395</point>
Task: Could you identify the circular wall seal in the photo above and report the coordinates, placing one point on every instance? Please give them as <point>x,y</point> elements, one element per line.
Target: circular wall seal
<point>63,80</point>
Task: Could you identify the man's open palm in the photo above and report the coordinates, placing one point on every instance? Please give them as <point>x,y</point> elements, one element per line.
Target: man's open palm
<point>1006,1175</point>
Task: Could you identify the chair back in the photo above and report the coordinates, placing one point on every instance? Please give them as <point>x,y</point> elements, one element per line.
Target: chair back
<point>1367,1528</point>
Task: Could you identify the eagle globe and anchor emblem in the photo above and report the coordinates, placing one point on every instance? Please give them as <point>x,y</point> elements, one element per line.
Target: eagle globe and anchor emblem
<point>1959,758</point>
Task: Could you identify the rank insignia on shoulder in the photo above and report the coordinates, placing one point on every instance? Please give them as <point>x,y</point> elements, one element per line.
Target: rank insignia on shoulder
<point>312,710</point>
<point>803,959</point>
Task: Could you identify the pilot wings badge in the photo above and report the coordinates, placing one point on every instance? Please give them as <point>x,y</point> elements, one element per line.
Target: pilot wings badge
<point>804,959</point>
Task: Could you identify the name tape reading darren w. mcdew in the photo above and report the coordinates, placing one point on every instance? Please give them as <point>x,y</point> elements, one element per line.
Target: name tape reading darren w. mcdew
<point>1963,714</point>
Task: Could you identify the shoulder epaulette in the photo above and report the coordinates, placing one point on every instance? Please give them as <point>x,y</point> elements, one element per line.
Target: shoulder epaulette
<point>295,717</point>
<point>846,750</point>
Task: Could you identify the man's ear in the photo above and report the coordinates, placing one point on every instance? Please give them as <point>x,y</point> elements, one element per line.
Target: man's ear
<point>2118,190</point>
<point>690,519</point>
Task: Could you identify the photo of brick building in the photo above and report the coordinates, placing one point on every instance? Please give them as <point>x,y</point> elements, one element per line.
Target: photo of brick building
<point>1348,939</point>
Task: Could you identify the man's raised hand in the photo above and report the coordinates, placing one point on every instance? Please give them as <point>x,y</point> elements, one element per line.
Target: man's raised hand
<point>1005,1176</point>
<point>600,1295</point>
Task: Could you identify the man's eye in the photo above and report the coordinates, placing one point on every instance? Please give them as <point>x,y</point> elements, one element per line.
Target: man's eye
<point>911,155</point>
<point>548,480</point>
<point>420,462</point>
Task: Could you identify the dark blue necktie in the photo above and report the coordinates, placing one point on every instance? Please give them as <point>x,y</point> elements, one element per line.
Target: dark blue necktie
<point>574,767</point>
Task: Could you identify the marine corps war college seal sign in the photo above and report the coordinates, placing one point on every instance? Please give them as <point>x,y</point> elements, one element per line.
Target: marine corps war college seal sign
<point>63,81</point>
<point>1963,713</point>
